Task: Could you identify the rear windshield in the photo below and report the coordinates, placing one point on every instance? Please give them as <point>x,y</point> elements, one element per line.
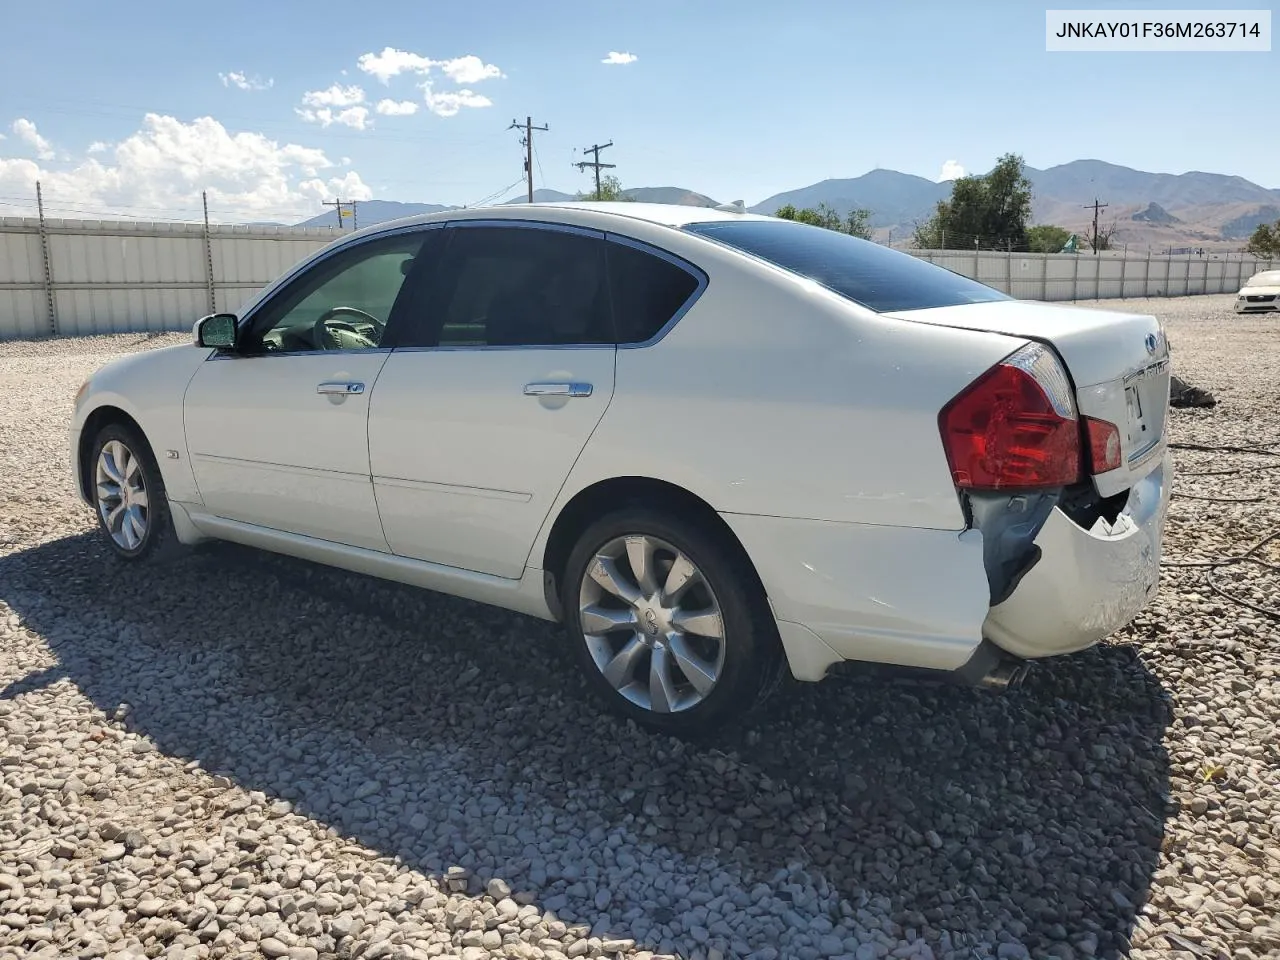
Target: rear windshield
<point>872,275</point>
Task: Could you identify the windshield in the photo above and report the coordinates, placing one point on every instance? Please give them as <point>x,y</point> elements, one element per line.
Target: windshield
<point>1267,278</point>
<point>867,273</point>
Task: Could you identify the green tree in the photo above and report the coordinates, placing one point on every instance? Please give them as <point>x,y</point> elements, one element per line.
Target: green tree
<point>990,211</point>
<point>1046,238</point>
<point>610,189</point>
<point>856,223</point>
<point>1265,241</point>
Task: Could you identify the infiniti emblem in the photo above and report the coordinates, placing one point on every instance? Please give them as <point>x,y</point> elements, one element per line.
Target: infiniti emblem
<point>1152,342</point>
<point>651,622</point>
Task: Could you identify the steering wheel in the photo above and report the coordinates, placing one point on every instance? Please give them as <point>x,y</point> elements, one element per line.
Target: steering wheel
<point>330,333</point>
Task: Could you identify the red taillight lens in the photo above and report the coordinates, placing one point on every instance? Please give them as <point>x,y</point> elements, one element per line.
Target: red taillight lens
<point>1015,427</point>
<point>1104,444</point>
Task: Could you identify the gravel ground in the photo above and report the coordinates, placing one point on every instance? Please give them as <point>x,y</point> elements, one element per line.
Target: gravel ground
<point>243,755</point>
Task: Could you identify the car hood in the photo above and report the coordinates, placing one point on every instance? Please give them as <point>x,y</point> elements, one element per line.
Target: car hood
<point>1269,290</point>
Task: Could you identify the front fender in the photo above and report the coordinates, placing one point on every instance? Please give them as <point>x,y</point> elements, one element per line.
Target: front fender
<point>148,388</point>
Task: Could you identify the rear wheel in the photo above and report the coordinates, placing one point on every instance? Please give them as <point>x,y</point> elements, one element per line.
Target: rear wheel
<point>668,621</point>
<point>129,495</point>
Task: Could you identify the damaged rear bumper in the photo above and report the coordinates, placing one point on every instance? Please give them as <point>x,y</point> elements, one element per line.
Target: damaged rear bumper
<point>1087,583</point>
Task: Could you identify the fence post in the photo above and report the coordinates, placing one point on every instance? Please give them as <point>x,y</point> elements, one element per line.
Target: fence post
<point>208,254</point>
<point>50,300</point>
<point>1124,271</point>
<point>976,267</point>
<point>1075,279</point>
<point>1008,270</point>
<point>1146,276</point>
<point>1044,278</point>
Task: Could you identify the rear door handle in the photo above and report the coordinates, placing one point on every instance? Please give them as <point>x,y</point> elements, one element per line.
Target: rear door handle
<point>559,389</point>
<point>341,387</point>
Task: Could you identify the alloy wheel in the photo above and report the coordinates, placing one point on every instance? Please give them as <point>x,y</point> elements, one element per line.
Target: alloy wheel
<point>652,623</point>
<point>122,495</point>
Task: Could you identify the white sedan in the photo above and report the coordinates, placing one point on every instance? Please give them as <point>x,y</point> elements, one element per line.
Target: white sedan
<point>718,447</point>
<point>1260,294</point>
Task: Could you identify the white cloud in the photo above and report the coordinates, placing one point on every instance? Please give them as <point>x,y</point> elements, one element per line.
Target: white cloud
<point>396,108</point>
<point>28,134</point>
<point>951,170</point>
<point>392,62</point>
<point>98,146</point>
<point>615,57</point>
<point>335,96</point>
<point>336,104</point>
<point>357,118</point>
<point>159,171</point>
<point>468,69</point>
<point>240,80</point>
<point>448,104</point>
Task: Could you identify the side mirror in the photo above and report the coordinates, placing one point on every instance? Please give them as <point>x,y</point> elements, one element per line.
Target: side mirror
<point>217,331</point>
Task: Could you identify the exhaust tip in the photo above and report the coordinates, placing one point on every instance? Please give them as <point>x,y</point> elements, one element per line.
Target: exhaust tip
<point>1006,675</point>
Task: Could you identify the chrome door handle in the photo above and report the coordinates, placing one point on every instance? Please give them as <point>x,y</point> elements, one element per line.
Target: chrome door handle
<point>557,389</point>
<point>341,387</point>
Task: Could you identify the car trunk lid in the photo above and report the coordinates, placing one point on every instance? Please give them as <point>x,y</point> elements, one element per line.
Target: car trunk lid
<point>1119,363</point>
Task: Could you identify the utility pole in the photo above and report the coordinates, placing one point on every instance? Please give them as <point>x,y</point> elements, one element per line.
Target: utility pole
<point>595,163</point>
<point>527,142</point>
<point>1096,208</point>
<point>338,204</point>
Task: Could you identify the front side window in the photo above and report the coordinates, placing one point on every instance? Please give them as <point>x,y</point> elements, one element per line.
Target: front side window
<point>878,278</point>
<point>344,302</point>
<point>520,286</point>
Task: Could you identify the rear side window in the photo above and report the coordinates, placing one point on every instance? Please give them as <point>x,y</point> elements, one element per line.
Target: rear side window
<point>648,290</point>
<point>501,285</point>
<point>867,273</point>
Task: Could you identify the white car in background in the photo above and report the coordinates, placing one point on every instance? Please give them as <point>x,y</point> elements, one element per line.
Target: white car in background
<point>1260,294</point>
<point>714,445</point>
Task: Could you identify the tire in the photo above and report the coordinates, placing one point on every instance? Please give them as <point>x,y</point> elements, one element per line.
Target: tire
<point>730,675</point>
<point>119,444</point>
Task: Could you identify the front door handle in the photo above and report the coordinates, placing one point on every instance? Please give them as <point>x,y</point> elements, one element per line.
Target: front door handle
<point>560,389</point>
<point>340,387</point>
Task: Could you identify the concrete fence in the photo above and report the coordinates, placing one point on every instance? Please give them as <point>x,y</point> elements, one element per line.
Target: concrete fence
<point>1112,274</point>
<point>79,277</point>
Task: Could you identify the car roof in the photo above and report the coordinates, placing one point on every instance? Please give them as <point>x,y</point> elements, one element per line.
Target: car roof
<point>664,214</point>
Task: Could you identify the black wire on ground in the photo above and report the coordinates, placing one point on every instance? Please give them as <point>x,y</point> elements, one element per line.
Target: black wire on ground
<point>1262,449</point>
<point>1247,557</point>
<point>1192,496</point>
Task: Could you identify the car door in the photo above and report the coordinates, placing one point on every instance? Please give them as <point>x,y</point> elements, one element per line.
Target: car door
<point>277,430</point>
<point>474,428</point>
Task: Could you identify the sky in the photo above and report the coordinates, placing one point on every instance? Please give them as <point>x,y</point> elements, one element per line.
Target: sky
<point>132,109</point>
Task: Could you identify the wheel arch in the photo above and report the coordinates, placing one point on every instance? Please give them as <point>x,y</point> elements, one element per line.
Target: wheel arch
<point>97,419</point>
<point>608,495</point>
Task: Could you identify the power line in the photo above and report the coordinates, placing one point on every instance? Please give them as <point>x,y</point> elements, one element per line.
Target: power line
<point>496,194</point>
<point>595,163</point>
<point>527,142</point>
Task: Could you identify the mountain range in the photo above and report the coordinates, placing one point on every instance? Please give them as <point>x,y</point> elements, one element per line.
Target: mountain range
<point>1147,209</point>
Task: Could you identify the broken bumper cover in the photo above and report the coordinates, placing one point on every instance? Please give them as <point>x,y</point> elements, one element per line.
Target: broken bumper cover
<point>1088,583</point>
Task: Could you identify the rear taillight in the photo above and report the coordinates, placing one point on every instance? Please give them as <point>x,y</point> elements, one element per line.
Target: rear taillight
<point>1015,427</point>
<point>1104,444</point>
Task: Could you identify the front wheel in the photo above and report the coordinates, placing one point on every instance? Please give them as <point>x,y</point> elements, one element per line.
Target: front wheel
<point>668,621</point>
<point>129,495</point>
